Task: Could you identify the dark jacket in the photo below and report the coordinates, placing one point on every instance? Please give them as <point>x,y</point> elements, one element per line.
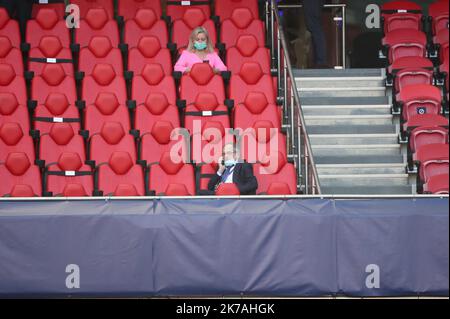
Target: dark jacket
<point>243,177</point>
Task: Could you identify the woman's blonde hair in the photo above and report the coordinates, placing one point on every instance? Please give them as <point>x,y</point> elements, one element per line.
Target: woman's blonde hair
<point>193,38</point>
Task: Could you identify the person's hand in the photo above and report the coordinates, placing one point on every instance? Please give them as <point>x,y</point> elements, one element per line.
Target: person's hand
<point>221,166</point>
<point>216,71</point>
<point>187,71</point>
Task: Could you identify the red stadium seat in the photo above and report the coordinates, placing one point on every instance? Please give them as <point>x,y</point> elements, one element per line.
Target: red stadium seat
<point>276,176</point>
<point>50,50</point>
<point>153,80</point>
<point>405,42</point>
<point>120,176</point>
<point>110,139</point>
<point>61,139</point>
<point>433,159</point>
<point>103,79</point>
<point>60,8</point>
<point>68,177</point>
<point>437,184</point>
<point>425,120</point>
<point>225,8</point>
<point>256,108</point>
<point>438,12</point>
<point>10,55</point>
<point>100,51</point>
<point>12,83</point>
<point>206,108</point>
<point>251,79</point>
<point>177,9</point>
<point>129,8</point>
<point>56,109</point>
<point>47,23</point>
<point>420,99</point>
<point>53,80</point>
<point>156,108</point>
<point>241,22</point>
<point>9,28</point>
<point>204,174</point>
<point>192,18</point>
<point>13,112</point>
<point>411,71</point>
<point>145,23</point>
<point>86,5</point>
<point>106,108</point>
<point>201,79</point>
<point>14,139</point>
<point>425,135</point>
<point>247,50</point>
<point>401,15</point>
<point>441,39</point>
<point>20,177</point>
<point>149,51</point>
<point>168,178</point>
<point>97,23</point>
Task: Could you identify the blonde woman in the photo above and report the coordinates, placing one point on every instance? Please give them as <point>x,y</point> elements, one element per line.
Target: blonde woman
<point>199,50</point>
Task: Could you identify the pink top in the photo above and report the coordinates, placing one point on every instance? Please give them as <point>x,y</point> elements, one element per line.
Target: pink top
<point>188,59</point>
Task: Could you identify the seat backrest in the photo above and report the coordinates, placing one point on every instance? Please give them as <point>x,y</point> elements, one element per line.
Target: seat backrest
<point>100,50</point>
<point>256,108</point>
<point>224,8</point>
<point>177,11</point>
<point>149,51</point>
<point>427,135</point>
<point>438,11</point>
<point>97,23</point>
<point>247,50</point>
<point>401,14</point>
<point>13,112</point>
<point>437,184</point>
<point>242,22</point>
<point>14,139</point>
<point>10,82</point>
<point>405,43</point>
<point>10,55</point>
<point>146,22</point>
<point>50,50</point>
<point>86,5</point>
<point>129,8</point>
<point>21,178</point>
<point>47,23</point>
<point>9,28</point>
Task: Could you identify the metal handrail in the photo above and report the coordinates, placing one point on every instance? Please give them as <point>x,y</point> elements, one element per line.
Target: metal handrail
<point>309,178</point>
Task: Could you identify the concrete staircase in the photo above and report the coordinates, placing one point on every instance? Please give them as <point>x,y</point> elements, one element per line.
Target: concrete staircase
<point>353,134</point>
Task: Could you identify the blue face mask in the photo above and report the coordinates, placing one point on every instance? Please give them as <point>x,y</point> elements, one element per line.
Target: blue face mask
<point>200,46</point>
<point>230,163</point>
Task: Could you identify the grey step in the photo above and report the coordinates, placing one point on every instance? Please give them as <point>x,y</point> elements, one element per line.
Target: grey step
<point>356,150</point>
<point>342,92</point>
<point>345,169</point>
<point>348,139</point>
<point>362,100</point>
<point>346,109</point>
<point>355,129</point>
<point>337,73</point>
<point>361,159</point>
<point>333,120</point>
<point>340,82</point>
<point>368,190</point>
<point>364,180</point>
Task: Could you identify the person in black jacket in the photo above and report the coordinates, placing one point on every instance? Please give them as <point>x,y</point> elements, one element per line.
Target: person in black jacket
<point>313,18</point>
<point>232,171</point>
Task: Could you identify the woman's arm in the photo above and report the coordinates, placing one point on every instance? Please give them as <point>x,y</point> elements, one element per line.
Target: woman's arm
<point>217,63</point>
<point>182,63</point>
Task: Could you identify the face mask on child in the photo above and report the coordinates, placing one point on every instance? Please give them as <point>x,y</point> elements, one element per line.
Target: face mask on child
<point>200,46</point>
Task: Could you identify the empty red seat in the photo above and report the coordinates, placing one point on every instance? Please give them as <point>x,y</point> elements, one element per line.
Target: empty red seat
<point>204,174</point>
<point>13,112</point>
<point>106,108</point>
<point>149,51</point>
<point>276,176</point>
<point>438,12</point>
<point>256,108</point>
<point>405,42</point>
<point>86,5</point>
<point>156,108</point>
<point>433,159</point>
<point>145,23</point>
<point>401,15</point>
<point>262,140</point>
<point>437,184</point>
<point>129,8</point>
<point>225,8</point>
<point>412,70</point>
<point>242,22</point>
<point>10,82</point>
<point>110,139</point>
<point>425,135</point>
<point>9,28</point>
<point>47,23</point>
<point>176,9</point>
<point>10,55</point>
<point>56,109</point>
<point>14,139</point>
<point>120,176</point>
<point>20,178</point>
<point>206,108</point>
<point>201,79</point>
<point>68,177</point>
<point>53,79</point>
<point>420,99</point>
<point>103,79</point>
<point>97,23</point>
<point>58,6</point>
<point>247,50</point>
<point>441,39</point>
<point>153,80</point>
<point>50,50</point>
<point>100,51</point>
<point>172,178</point>
<point>192,18</point>
<point>251,79</point>
<point>425,120</point>
<point>60,139</point>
